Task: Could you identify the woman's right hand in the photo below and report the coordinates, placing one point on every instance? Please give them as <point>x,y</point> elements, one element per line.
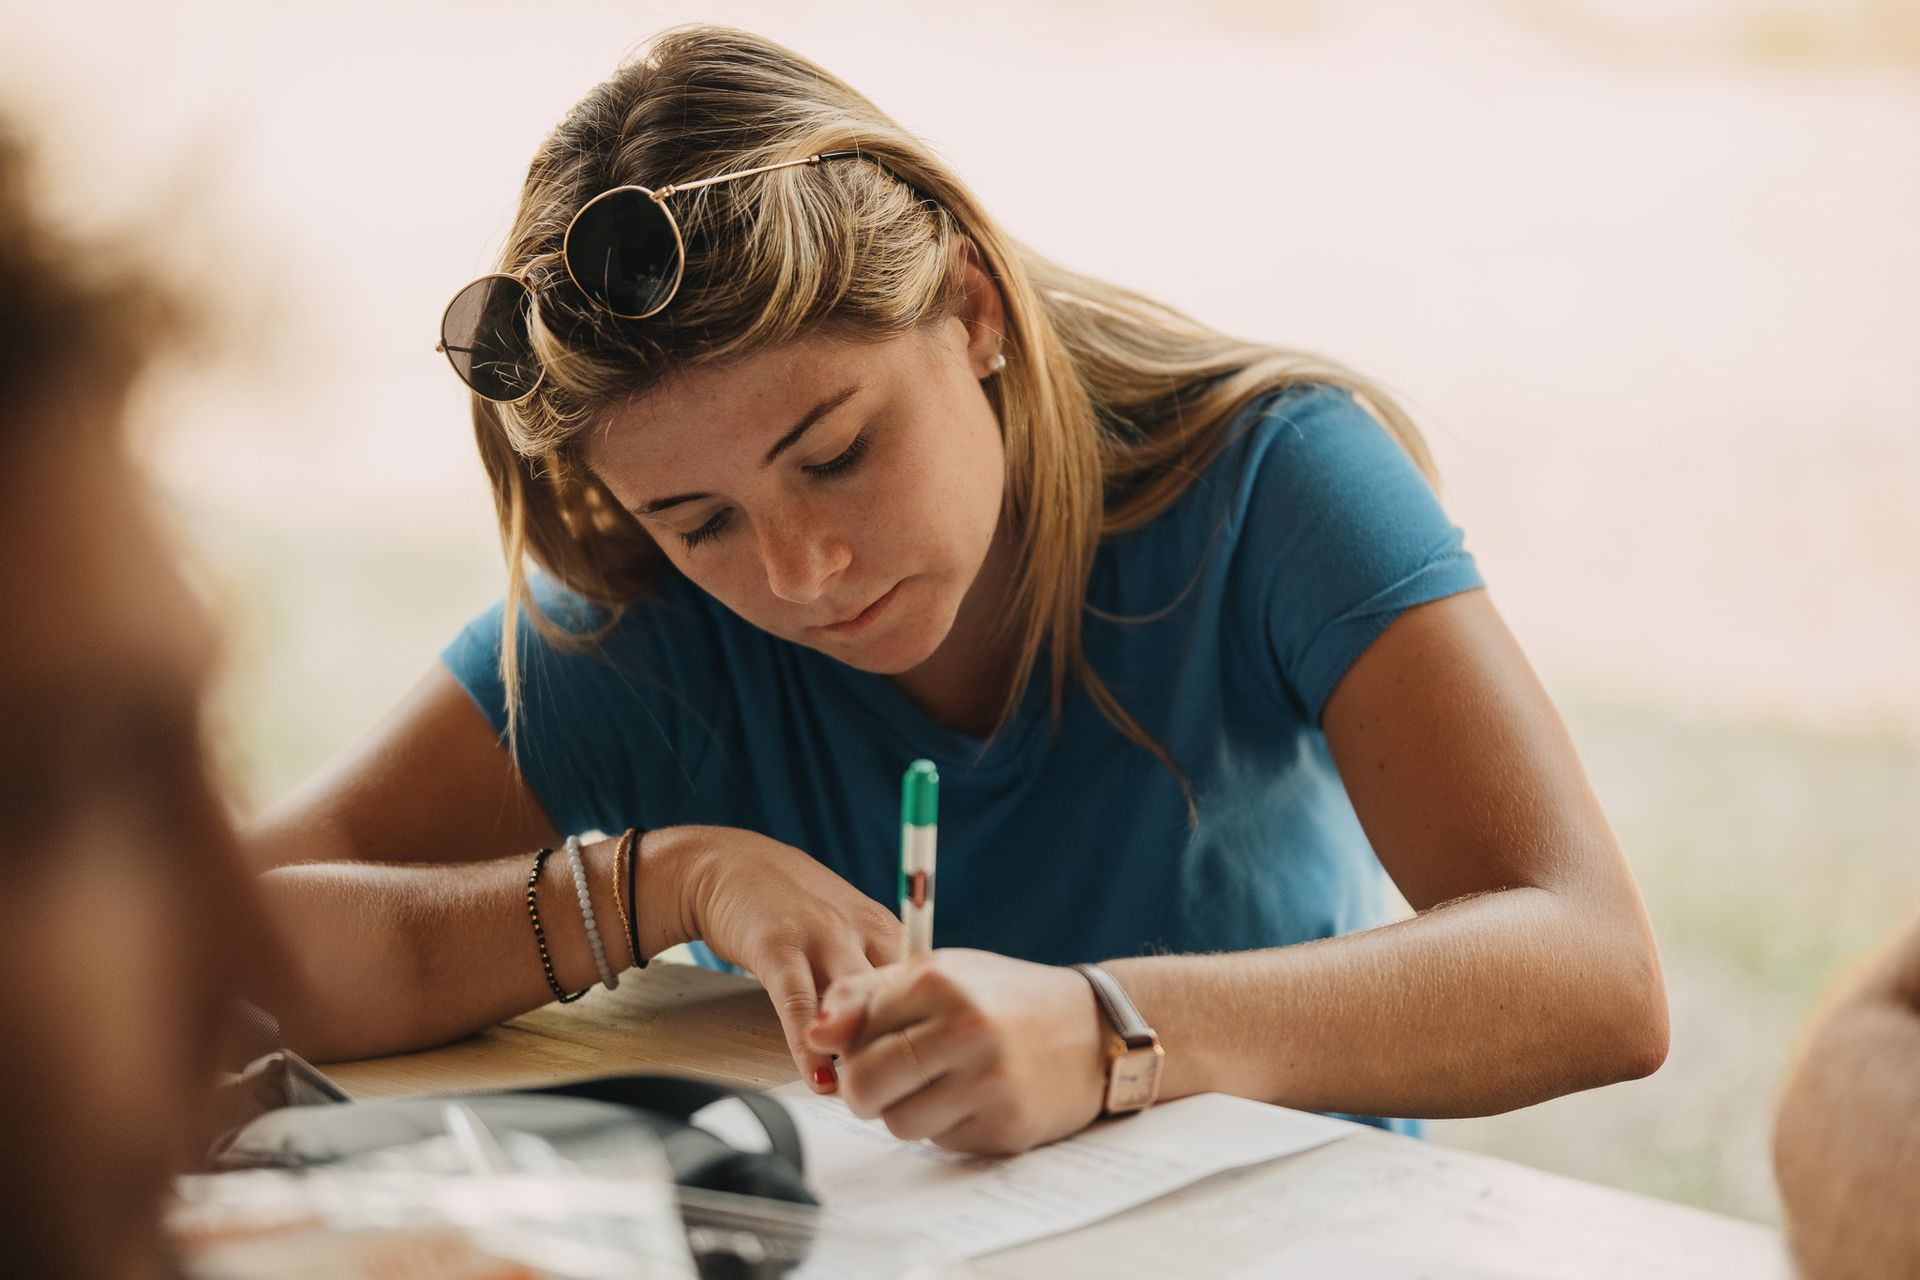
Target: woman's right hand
<point>778,913</point>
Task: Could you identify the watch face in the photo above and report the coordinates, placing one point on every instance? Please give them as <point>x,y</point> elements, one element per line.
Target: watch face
<point>1133,1079</point>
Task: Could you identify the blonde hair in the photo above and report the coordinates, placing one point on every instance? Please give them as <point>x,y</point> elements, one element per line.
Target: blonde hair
<point>1109,403</point>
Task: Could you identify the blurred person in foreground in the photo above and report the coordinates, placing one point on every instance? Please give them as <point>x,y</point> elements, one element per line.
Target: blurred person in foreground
<point>126,917</point>
<point>1847,1144</point>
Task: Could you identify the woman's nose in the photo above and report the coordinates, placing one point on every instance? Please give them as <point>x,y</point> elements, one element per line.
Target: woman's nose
<point>802,558</point>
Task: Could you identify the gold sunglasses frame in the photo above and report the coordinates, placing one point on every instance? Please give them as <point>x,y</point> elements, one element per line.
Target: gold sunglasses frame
<point>659,198</point>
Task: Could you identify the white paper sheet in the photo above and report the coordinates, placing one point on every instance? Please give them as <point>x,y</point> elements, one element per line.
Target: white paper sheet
<point>965,1206</point>
<point>1358,1260</point>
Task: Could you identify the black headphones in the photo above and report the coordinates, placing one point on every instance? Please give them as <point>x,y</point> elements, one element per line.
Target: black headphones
<point>579,1120</point>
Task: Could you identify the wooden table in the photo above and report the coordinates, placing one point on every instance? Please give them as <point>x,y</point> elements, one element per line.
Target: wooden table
<point>1437,1213</point>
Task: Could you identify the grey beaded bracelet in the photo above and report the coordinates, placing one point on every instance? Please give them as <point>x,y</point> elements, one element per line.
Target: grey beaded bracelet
<point>579,870</point>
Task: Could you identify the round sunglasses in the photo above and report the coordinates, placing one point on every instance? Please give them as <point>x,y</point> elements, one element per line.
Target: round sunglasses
<point>623,250</point>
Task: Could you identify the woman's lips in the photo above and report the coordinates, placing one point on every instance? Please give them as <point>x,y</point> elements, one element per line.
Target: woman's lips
<point>865,618</point>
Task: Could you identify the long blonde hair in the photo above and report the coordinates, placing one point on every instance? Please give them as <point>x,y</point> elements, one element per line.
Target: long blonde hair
<point>1109,404</point>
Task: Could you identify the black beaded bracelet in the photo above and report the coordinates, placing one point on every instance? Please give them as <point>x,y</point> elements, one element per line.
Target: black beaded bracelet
<point>633,904</point>
<point>540,935</point>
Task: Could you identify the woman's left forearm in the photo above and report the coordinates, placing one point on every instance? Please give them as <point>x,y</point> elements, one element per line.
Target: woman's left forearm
<point>1477,1006</point>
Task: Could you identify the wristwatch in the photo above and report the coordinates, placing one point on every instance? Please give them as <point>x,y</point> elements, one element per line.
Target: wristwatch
<point>1134,1056</point>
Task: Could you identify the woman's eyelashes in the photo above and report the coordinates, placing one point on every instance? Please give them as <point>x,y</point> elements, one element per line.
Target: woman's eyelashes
<point>715,523</point>
<point>838,465</point>
<point>846,460</point>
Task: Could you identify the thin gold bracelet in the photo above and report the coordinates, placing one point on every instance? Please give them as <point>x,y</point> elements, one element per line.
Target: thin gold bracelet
<point>621,852</point>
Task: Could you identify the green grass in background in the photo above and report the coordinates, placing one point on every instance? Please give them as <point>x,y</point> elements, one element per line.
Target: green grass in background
<point>1772,857</point>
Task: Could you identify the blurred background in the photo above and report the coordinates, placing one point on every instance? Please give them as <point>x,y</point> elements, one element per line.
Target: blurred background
<point>1647,273</point>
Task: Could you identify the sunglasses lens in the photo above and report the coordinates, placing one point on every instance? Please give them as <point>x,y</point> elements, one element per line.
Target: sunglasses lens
<point>485,334</point>
<point>624,254</point>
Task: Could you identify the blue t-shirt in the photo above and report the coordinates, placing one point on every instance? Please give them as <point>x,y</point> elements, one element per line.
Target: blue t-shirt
<point>1254,592</point>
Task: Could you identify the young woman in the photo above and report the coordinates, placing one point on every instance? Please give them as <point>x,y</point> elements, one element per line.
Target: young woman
<point>824,472</point>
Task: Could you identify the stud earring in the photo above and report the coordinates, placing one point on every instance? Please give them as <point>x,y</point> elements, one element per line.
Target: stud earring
<point>996,364</point>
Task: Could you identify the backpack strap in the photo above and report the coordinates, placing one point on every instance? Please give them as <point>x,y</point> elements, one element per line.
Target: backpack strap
<point>679,1097</point>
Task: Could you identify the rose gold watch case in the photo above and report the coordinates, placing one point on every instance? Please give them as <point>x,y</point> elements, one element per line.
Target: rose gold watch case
<point>1133,1077</point>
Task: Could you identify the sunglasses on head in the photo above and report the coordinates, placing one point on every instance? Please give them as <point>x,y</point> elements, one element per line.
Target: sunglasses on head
<point>622,250</point>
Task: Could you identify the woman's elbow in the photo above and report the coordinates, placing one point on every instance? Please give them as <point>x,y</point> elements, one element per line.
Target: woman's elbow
<point>1634,1021</point>
<point>1646,1050</point>
<point>1612,966</point>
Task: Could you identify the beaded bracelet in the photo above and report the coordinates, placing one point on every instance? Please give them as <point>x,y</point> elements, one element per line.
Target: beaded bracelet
<point>607,975</point>
<point>620,852</point>
<point>539,934</point>
<point>633,899</point>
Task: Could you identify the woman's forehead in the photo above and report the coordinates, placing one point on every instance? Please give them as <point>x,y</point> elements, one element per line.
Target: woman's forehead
<point>745,405</point>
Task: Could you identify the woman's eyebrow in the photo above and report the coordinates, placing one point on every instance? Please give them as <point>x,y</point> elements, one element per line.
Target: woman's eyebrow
<point>780,446</point>
<point>812,416</point>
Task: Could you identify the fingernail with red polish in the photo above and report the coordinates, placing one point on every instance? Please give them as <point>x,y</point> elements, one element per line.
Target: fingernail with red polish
<point>825,1078</point>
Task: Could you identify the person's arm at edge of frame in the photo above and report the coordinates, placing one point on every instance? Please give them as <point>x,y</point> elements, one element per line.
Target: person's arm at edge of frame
<point>1530,970</point>
<point>1847,1139</point>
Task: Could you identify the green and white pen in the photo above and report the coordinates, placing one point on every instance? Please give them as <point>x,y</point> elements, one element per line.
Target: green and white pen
<point>919,828</point>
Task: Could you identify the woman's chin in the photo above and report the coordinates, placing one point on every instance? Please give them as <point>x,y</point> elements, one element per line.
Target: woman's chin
<point>876,659</point>
<point>883,651</point>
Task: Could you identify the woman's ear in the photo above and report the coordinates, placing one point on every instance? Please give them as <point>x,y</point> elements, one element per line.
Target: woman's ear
<point>982,311</point>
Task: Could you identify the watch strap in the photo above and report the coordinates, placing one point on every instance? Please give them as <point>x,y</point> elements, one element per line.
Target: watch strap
<point>1121,1013</point>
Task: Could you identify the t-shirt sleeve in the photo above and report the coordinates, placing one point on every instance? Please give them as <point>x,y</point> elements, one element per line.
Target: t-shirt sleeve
<point>1340,534</point>
<point>611,735</point>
